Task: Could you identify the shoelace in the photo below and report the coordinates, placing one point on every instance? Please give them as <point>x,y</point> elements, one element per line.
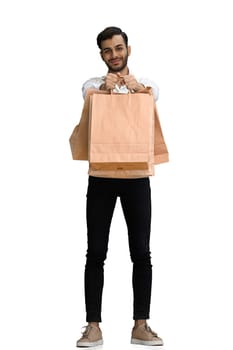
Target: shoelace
<point>86,331</point>
<point>148,329</point>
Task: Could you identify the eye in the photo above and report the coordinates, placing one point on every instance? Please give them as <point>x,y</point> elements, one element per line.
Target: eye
<point>107,51</point>
<point>120,48</point>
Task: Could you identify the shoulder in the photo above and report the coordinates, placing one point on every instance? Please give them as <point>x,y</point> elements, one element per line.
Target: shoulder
<point>95,80</point>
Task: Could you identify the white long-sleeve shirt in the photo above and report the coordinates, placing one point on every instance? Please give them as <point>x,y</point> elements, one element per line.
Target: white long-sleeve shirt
<point>95,83</point>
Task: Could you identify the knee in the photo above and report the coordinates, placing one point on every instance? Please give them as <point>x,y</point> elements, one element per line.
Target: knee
<point>94,258</point>
<point>141,259</point>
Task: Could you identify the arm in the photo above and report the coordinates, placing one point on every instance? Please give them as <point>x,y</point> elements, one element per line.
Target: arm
<point>150,83</point>
<point>108,82</point>
<point>137,84</point>
<point>94,83</point>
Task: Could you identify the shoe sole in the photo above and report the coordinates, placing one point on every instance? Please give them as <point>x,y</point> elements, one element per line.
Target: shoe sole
<point>147,342</point>
<point>89,344</point>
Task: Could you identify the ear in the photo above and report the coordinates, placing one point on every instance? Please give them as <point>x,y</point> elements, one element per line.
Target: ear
<point>129,50</point>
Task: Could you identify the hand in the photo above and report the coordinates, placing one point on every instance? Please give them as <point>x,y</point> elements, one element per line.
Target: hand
<point>131,83</point>
<point>111,80</point>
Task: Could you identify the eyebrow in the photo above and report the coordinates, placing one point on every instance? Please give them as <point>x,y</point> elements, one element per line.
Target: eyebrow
<point>110,48</point>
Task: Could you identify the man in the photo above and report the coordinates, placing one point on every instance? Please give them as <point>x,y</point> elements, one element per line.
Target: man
<point>135,197</point>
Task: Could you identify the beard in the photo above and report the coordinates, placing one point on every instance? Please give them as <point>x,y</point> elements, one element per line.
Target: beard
<point>119,68</point>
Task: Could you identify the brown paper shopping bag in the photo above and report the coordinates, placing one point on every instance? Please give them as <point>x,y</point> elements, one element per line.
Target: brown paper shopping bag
<point>121,131</point>
<point>79,138</point>
<point>79,143</point>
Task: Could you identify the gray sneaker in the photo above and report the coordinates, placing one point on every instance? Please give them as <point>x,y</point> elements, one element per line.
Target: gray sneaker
<point>92,336</point>
<point>143,335</point>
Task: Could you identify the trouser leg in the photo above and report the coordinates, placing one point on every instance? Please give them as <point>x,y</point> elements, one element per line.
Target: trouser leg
<point>136,204</point>
<point>99,210</point>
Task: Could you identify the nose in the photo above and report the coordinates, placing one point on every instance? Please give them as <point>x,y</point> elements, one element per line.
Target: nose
<point>113,53</point>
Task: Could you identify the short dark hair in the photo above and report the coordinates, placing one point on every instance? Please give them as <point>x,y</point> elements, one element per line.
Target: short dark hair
<point>108,33</point>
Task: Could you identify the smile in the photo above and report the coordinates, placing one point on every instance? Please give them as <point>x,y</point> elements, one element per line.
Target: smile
<point>115,61</point>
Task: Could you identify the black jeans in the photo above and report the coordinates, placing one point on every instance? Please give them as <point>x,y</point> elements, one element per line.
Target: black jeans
<point>135,197</point>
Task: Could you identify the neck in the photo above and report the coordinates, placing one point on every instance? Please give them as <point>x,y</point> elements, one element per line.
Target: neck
<point>124,71</point>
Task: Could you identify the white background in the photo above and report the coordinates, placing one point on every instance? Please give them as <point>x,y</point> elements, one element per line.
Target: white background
<point>48,49</point>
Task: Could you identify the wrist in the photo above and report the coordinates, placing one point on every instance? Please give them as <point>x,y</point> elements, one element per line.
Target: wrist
<point>139,87</point>
<point>102,87</point>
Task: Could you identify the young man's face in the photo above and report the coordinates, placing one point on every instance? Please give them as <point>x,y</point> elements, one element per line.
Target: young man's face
<point>115,53</point>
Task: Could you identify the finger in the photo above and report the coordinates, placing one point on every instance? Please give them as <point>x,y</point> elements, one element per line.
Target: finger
<point>112,76</point>
<point>120,75</point>
<point>111,81</point>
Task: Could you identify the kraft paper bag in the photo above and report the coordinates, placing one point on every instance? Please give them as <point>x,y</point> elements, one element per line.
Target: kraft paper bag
<point>121,131</point>
<point>79,138</point>
<point>79,143</point>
